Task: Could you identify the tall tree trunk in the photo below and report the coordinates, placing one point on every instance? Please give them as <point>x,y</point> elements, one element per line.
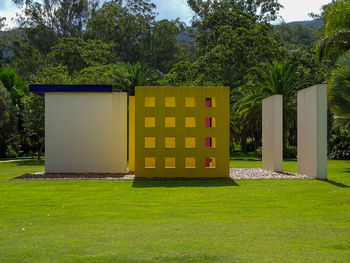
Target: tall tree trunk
<point>40,152</point>
<point>244,144</point>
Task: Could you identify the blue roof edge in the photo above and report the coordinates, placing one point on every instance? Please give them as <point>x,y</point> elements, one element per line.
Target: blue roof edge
<point>40,89</point>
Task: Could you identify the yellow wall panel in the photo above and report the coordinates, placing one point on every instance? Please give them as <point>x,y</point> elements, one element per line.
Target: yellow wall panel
<point>131,133</point>
<point>187,120</point>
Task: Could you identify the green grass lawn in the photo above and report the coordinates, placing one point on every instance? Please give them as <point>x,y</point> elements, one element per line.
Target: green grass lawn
<point>175,221</point>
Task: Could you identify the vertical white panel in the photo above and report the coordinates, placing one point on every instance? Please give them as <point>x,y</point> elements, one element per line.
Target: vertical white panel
<point>272,133</point>
<point>312,131</point>
<point>85,132</point>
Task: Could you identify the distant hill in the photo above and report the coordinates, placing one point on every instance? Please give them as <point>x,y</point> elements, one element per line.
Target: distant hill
<point>314,24</point>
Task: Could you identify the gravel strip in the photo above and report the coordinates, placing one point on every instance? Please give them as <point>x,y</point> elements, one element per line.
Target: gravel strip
<point>258,173</point>
<point>235,173</point>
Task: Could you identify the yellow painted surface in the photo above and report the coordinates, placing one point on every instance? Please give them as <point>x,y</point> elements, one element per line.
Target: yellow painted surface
<point>85,132</point>
<point>170,102</point>
<point>213,102</point>
<point>150,122</point>
<point>190,102</point>
<point>170,162</point>
<point>170,142</point>
<point>213,142</point>
<point>150,142</point>
<point>213,162</point>
<point>170,122</point>
<point>190,122</point>
<point>190,162</point>
<point>132,133</point>
<point>213,122</point>
<point>190,142</point>
<point>150,102</point>
<point>150,162</point>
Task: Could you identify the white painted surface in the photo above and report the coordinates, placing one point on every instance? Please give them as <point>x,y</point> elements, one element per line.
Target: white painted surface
<point>85,132</point>
<point>272,133</point>
<point>312,131</point>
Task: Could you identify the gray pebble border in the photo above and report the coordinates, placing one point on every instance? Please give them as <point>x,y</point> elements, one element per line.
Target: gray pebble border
<point>235,173</point>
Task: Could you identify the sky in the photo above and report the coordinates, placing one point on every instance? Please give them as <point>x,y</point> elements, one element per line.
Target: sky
<point>294,10</point>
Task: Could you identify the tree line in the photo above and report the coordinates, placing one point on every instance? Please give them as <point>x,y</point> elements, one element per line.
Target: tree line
<point>231,43</point>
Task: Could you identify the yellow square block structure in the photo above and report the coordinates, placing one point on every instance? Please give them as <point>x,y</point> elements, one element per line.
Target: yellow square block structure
<point>179,117</point>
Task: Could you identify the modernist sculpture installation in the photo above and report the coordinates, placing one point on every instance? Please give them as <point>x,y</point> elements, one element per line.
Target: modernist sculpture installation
<point>182,131</point>
<point>272,133</point>
<point>85,129</point>
<point>312,131</point>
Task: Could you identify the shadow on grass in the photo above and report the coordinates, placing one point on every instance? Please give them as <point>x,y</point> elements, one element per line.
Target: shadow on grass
<point>144,183</point>
<point>336,184</point>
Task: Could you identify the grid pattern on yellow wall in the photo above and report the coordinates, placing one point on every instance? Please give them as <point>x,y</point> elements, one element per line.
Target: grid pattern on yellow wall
<point>182,132</point>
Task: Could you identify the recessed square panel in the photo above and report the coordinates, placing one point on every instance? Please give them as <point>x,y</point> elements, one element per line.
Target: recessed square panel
<point>150,122</point>
<point>170,162</point>
<point>150,162</point>
<point>150,142</point>
<point>210,102</point>
<point>210,142</point>
<point>170,102</point>
<point>190,142</point>
<point>190,122</point>
<point>170,142</point>
<point>190,102</point>
<point>190,162</point>
<point>150,102</point>
<point>170,122</point>
<point>210,122</point>
<point>210,162</point>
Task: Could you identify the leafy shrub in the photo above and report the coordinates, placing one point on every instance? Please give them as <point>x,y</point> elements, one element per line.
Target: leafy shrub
<point>258,152</point>
<point>339,145</point>
<point>10,152</point>
<point>290,152</point>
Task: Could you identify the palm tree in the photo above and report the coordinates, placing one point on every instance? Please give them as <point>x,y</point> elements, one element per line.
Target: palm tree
<point>333,46</point>
<point>140,75</point>
<point>270,79</point>
<point>339,91</point>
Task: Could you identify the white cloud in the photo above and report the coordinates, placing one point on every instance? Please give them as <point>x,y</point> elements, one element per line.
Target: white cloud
<point>10,18</point>
<point>297,10</point>
<point>171,9</point>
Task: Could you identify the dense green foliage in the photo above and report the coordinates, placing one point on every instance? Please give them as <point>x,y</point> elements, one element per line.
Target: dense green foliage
<point>263,221</point>
<point>230,42</point>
